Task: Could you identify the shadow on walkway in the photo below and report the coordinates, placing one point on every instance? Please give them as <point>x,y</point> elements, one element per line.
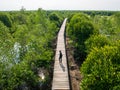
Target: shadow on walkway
<point>62,66</point>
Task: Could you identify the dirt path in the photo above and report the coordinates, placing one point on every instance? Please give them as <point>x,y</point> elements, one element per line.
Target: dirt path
<point>74,68</point>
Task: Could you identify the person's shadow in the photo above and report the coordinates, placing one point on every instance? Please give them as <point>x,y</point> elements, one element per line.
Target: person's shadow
<point>62,66</point>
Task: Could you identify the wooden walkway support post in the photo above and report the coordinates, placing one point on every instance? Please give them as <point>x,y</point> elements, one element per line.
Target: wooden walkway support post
<point>60,75</point>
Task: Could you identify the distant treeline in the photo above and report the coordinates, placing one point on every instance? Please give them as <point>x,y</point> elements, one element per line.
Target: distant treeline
<point>89,12</point>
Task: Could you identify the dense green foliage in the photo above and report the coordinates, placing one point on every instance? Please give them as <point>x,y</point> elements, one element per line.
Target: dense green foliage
<point>5,18</point>
<point>55,18</point>
<point>25,46</point>
<point>101,69</point>
<point>96,41</point>
<point>80,29</point>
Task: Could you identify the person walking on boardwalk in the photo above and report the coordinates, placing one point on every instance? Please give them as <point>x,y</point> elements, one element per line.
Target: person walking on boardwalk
<point>60,56</point>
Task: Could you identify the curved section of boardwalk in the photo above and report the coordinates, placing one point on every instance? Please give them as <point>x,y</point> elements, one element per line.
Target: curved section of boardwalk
<point>60,75</point>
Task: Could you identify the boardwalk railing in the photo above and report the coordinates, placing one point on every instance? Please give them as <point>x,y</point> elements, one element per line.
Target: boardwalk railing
<point>60,75</point>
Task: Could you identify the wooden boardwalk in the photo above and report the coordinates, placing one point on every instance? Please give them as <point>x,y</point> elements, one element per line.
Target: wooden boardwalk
<point>60,75</point>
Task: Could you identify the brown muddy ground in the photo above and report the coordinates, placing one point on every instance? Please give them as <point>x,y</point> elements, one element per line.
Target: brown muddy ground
<point>74,67</point>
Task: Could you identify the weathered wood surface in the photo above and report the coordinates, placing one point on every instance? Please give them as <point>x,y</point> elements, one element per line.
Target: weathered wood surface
<point>60,75</point>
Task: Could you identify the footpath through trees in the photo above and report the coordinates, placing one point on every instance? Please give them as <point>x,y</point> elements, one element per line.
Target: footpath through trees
<point>60,75</point>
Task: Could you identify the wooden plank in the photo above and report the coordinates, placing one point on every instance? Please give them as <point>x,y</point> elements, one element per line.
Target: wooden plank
<point>60,75</point>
